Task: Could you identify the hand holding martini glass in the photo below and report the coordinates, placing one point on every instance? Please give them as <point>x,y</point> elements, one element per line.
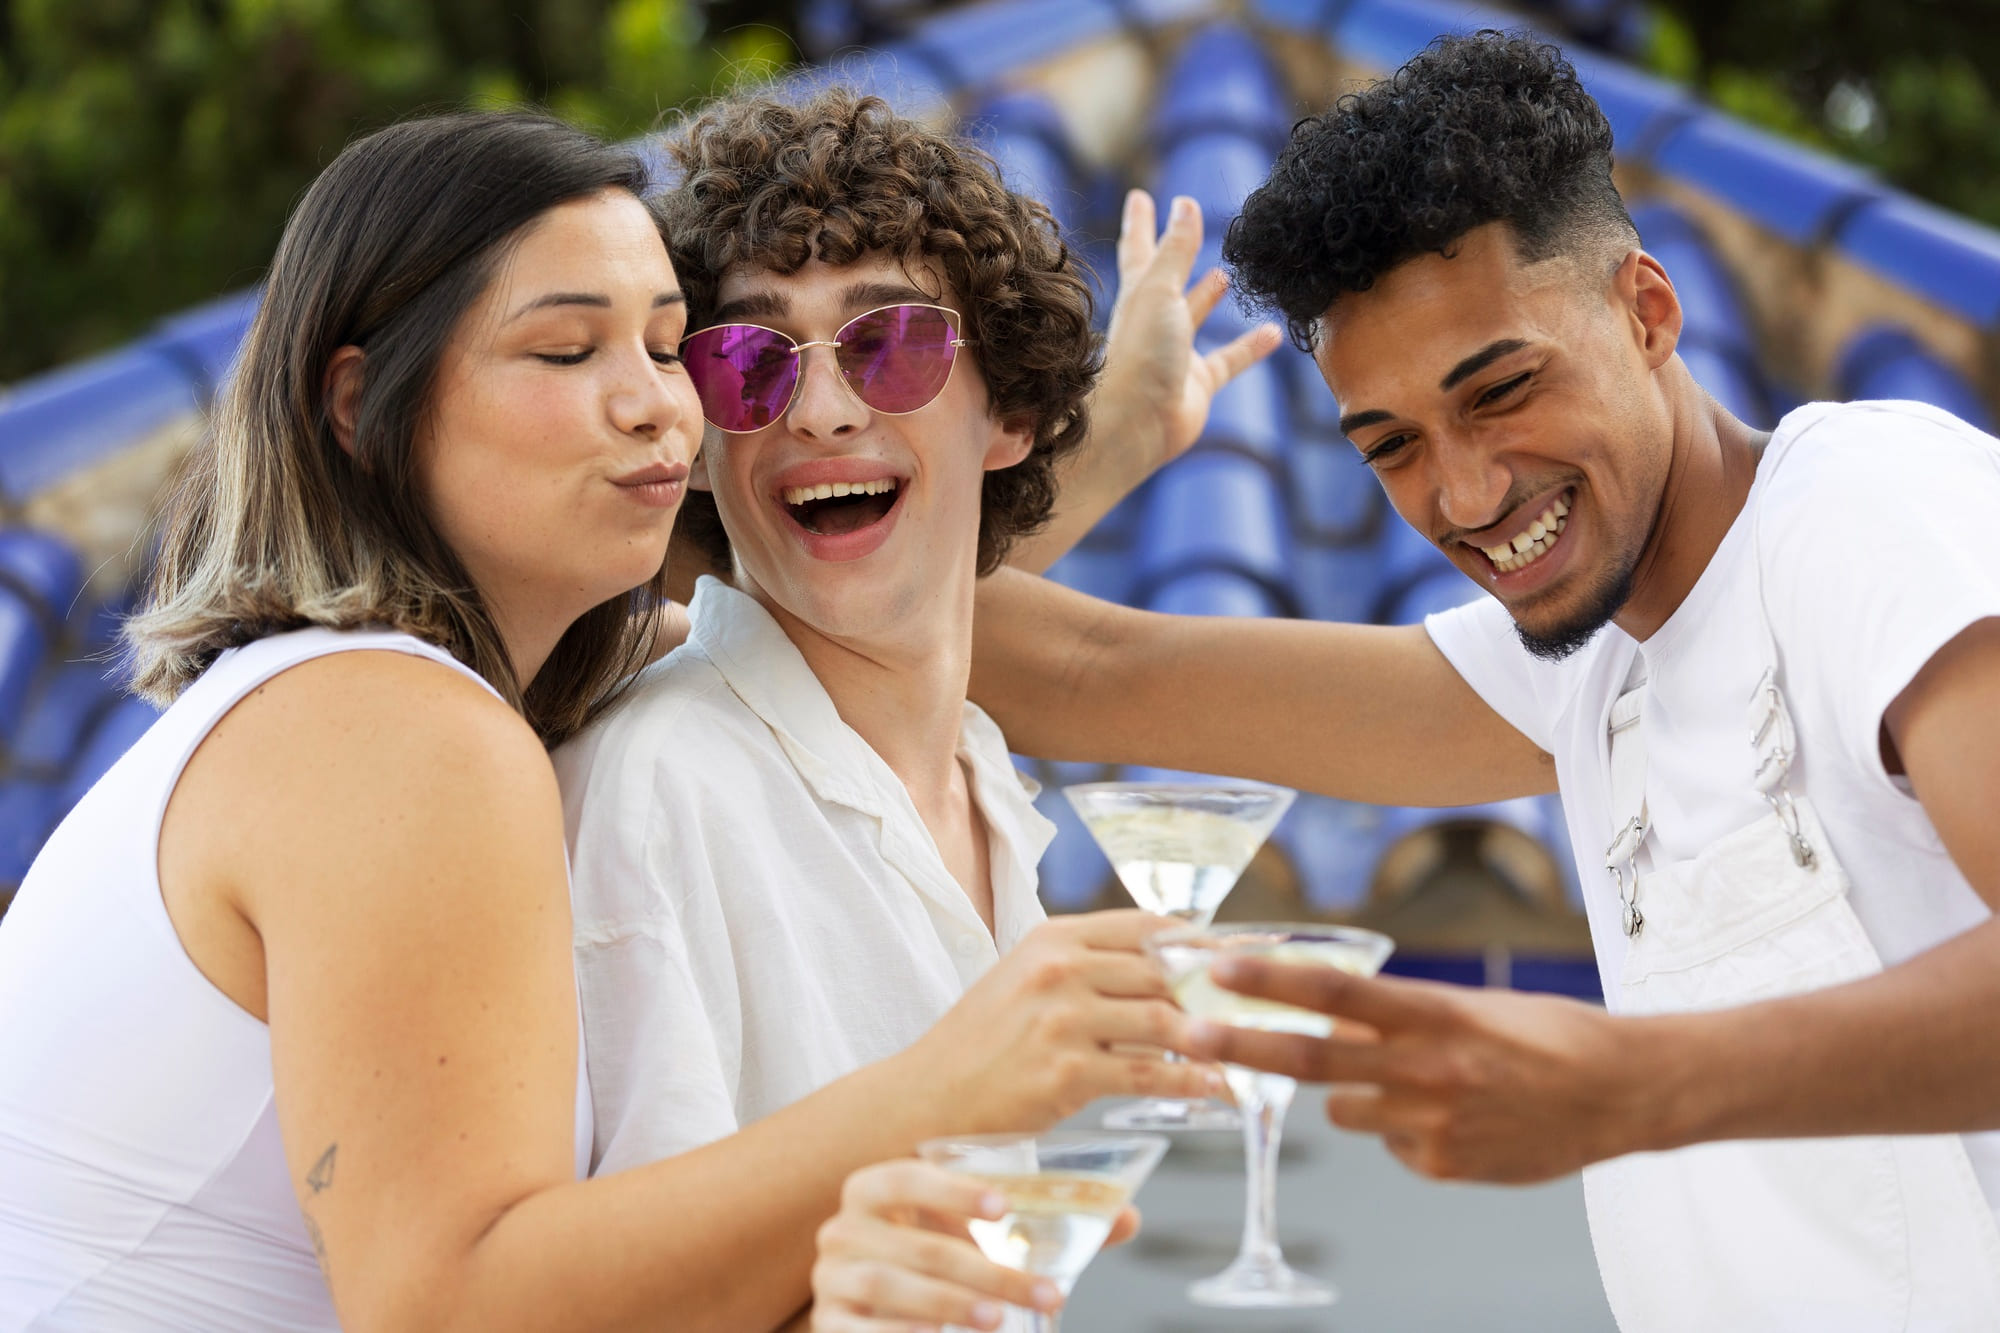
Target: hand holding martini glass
<point>1178,848</point>
<point>1063,1190</point>
<point>1259,1277</point>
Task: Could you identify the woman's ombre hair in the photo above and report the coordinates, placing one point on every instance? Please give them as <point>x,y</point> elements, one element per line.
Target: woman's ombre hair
<point>274,526</point>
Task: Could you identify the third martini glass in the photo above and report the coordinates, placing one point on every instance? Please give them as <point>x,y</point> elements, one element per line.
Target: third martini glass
<point>1063,1192</point>
<point>1178,848</point>
<point>1260,1276</point>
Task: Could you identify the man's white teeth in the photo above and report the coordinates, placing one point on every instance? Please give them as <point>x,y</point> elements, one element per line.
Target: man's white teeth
<point>829,490</point>
<point>1533,542</point>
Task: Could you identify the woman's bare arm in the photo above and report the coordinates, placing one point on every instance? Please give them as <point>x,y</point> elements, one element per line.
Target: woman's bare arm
<point>394,836</point>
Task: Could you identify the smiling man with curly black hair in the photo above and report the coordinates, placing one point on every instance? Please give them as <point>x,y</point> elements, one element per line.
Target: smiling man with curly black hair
<point>1762,668</point>
<point>1485,163</point>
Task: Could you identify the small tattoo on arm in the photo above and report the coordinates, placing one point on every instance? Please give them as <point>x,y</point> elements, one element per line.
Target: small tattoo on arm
<point>319,1244</point>
<point>321,1174</point>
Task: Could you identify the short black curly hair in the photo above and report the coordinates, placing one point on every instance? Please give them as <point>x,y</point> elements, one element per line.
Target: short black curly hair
<point>1489,127</point>
<point>770,183</point>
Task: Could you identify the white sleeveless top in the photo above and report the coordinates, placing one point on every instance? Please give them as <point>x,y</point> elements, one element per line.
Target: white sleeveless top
<point>142,1182</point>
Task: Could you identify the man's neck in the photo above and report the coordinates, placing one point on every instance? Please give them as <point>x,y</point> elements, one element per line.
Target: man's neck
<point>904,694</point>
<point>1713,465</point>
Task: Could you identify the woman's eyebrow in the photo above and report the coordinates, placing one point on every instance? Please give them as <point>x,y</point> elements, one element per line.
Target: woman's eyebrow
<point>595,300</point>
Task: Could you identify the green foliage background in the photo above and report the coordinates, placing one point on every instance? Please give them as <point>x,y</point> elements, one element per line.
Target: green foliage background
<point>150,149</point>
<point>1906,87</point>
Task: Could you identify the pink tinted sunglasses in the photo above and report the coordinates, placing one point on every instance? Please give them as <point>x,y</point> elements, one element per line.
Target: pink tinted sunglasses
<point>895,359</point>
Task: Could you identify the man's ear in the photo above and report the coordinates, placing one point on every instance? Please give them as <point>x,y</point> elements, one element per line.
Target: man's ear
<point>1655,306</point>
<point>1010,444</point>
<point>342,387</point>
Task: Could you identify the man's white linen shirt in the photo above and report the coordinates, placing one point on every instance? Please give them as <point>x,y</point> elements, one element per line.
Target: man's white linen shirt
<point>759,909</point>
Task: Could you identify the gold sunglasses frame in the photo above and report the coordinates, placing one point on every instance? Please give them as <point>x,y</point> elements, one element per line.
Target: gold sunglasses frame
<point>798,351</point>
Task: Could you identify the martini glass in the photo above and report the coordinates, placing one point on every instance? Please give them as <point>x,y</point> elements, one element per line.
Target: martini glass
<point>1063,1192</point>
<point>1259,1277</point>
<point>1178,848</point>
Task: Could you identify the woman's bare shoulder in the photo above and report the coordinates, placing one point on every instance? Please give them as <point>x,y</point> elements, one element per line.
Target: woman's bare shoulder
<point>374,757</point>
<point>383,698</point>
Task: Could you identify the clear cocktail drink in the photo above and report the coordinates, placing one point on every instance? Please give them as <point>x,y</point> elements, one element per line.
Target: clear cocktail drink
<point>1179,861</point>
<point>1195,990</point>
<point>1055,1223</point>
<point>1178,848</point>
<point>1064,1190</point>
<point>1259,1276</point>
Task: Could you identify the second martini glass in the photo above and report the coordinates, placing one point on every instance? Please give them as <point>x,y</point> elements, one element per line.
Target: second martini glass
<point>1260,1276</point>
<point>1178,848</point>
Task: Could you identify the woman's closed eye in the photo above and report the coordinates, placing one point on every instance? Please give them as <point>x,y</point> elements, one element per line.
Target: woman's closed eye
<point>662,356</point>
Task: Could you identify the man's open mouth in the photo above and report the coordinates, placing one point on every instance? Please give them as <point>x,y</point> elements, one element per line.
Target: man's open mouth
<point>833,509</point>
<point>1534,541</point>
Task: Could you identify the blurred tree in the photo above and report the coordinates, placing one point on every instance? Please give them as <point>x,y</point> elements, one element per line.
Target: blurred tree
<point>1907,87</point>
<point>150,149</point>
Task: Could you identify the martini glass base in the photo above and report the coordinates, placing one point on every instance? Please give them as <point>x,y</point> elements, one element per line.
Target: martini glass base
<point>1250,1284</point>
<point>1172,1113</point>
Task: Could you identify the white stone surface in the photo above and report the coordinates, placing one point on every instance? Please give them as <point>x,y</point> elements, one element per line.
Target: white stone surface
<point>1408,1255</point>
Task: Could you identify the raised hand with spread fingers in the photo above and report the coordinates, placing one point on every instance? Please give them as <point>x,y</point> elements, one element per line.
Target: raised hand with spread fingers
<point>1153,399</point>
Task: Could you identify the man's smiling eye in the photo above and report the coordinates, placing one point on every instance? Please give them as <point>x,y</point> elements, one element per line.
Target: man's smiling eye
<point>1501,390</point>
<point>1385,449</point>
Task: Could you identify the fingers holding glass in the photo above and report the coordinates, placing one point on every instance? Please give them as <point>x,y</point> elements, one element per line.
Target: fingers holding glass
<point>1259,1277</point>
<point>897,1255</point>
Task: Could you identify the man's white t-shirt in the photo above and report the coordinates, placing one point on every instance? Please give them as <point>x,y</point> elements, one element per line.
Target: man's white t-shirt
<point>759,909</point>
<point>1873,542</point>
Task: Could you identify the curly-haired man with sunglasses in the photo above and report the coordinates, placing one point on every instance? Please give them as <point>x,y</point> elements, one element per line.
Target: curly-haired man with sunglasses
<point>804,866</point>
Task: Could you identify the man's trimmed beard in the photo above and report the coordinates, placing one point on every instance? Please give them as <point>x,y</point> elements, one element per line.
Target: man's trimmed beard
<point>1604,600</point>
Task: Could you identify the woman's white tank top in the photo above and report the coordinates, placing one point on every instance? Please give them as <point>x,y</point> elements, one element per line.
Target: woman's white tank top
<point>142,1183</point>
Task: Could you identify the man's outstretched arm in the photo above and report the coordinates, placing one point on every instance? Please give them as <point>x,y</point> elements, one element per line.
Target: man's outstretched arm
<point>1509,1087</point>
<point>1363,712</point>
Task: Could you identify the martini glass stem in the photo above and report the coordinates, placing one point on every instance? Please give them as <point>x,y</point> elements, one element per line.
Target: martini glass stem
<point>1188,916</point>
<point>1173,1112</point>
<point>1262,1099</point>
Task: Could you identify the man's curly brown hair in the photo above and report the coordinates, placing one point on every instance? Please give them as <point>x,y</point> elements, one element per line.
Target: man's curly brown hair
<point>770,185</point>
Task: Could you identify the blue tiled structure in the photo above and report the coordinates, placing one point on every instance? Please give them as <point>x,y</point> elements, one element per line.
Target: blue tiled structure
<point>1271,514</point>
<point>82,414</point>
<point>1889,362</point>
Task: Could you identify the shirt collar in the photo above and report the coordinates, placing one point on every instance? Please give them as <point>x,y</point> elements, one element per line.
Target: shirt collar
<point>770,675</point>
<point>767,672</point>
